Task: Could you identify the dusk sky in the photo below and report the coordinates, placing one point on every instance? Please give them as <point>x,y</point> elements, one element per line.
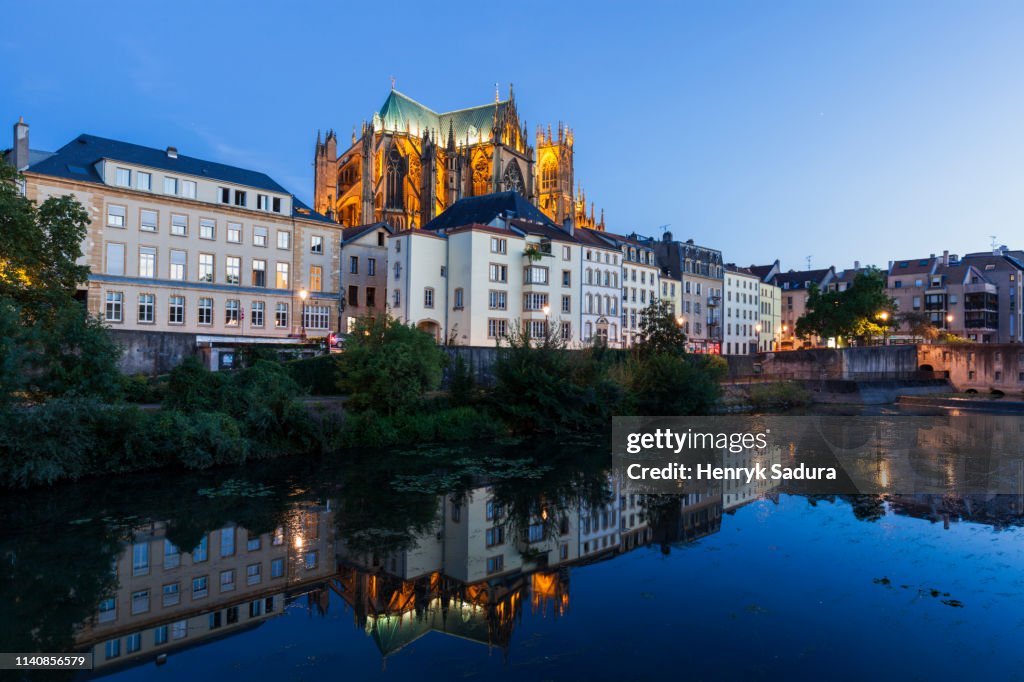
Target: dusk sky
<point>842,131</point>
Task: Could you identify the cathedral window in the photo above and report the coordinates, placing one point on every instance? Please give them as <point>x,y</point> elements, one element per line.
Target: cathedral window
<point>513,178</point>
<point>549,174</point>
<point>396,169</point>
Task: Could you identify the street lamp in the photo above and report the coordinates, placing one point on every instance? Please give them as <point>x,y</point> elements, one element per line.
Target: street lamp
<point>680,320</point>
<point>303,294</point>
<point>757,332</point>
<point>884,317</point>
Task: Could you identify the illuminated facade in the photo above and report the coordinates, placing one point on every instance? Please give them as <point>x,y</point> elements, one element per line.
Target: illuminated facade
<point>409,163</point>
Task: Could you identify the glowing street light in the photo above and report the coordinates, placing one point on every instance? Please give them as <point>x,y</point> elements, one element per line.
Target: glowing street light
<point>680,320</point>
<point>303,294</point>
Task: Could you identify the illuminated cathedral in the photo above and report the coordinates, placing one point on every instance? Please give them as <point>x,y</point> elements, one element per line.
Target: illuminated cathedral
<point>410,163</point>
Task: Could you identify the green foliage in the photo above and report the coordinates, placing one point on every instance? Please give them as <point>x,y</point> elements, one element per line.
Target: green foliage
<point>319,375</point>
<point>462,386</point>
<point>660,331</point>
<point>388,366</point>
<point>665,384</point>
<point>778,395</point>
<point>141,389</point>
<point>919,324</point>
<point>853,313</point>
<point>369,429</point>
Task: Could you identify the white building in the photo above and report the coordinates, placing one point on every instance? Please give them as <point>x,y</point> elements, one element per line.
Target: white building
<point>601,293</point>
<point>640,280</point>
<point>742,311</point>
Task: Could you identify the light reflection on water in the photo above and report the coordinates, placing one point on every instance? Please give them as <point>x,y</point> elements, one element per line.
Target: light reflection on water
<point>542,571</point>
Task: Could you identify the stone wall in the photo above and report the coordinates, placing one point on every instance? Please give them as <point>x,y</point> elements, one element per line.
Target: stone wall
<point>479,359</point>
<point>821,364</point>
<point>977,366</point>
<point>146,352</point>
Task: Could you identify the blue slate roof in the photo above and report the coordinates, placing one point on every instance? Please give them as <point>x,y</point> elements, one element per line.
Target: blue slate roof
<point>485,208</point>
<point>77,161</point>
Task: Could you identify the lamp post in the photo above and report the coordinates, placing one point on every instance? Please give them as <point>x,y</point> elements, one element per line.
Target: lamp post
<point>547,320</point>
<point>884,317</point>
<point>303,295</point>
<point>757,339</point>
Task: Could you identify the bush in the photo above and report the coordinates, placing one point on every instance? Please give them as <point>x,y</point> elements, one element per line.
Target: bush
<point>317,376</point>
<point>665,384</point>
<point>138,388</point>
<point>778,395</point>
<point>369,429</point>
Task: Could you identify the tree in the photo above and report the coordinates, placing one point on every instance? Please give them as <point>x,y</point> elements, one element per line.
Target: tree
<point>660,331</point>
<point>388,366</point>
<point>919,324</point>
<point>51,346</point>
<point>856,312</point>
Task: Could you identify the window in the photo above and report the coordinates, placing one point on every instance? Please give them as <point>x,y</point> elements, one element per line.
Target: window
<point>495,564</point>
<point>140,601</point>
<point>275,203</point>
<point>252,574</point>
<point>262,202</point>
<point>179,629</point>
<point>316,278</point>
<point>258,308</point>
<point>353,295</point>
<point>259,236</point>
<point>534,301</point>
<point>143,181</point>
<point>227,541</point>
<point>371,297</point>
<point>140,558</point>
<point>316,317</point>
<point>497,300</point>
<point>353,265</point>
<point>566,253</point>
<point>428,297</point>
<point>284,239</point>
<point>188,189</point>
<point>235,233</point>
<point>398,297</point>
<point>225,195</point>
<point>495,536</point>
<point>115,215</point>
<point>170,594</point>
<point>566,278</point>
<point>239,198</point>
<point>207,228</point>
<point>316,244</point>
<point>112,648</point>
<point>108,610</point>
<point>281,315</point>
<point>538,329</point>
<point>148,220</point>
<point>494,510</point>
<point>497,329</point>
<point>499,245</point>
<point>535,274</point>
<point>170,185</point>
<point>231,310</point>
<point>567,304</point>
<point>205,311</point>
<point>179,225</point>
<point>371,266</point>
<point>200,587</point>
<point>178,264</point>
<point>499,273</point>
<point>215,620</point>
<point>282,276</point>
<point>255,608</point>
<point>147,261</point>
<point>232,269</point>
<point>259,272</point>
<point>458,298</point>
<point>309,560</point>
<point>227,580</point>
<point>277,568</point>
<point>147,308</point>
<point>124,177</point>
<point>176,310</point>
<point>115,258</point>
<point>200,553</point>
<point>206,267</point>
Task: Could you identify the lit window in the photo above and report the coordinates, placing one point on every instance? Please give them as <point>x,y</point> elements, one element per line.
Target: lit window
<point>282,276</point>
<point>316,277</point>
<point>231,310</point>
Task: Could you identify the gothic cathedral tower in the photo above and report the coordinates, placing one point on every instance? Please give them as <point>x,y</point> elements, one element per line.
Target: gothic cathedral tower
<point>555,173</point>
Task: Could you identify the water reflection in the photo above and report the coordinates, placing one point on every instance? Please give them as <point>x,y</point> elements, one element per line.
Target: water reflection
<point>463,545</point>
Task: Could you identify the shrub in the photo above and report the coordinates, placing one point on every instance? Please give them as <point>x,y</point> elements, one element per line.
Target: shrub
<point>317,376</point>
<point>665,384</point>
<point>778,395</point>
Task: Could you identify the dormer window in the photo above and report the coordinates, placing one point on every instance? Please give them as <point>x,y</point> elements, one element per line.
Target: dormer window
<point>262,202</point>
<point>240,198</point>
<point>225,195</point>
<point>171,186</point>
<point>123,177</point>
<point>188,189</point>
<point>275,204</point>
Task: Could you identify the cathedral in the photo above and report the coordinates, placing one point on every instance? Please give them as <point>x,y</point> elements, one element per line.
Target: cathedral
<point>410,163</point>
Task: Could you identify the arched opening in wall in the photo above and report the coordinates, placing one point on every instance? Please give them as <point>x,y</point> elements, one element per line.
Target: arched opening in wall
<point>926,368</point>
<point>431,327</point>
<point>996,393</point>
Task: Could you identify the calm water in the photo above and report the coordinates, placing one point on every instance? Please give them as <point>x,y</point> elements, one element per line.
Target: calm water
<point>522,562</point>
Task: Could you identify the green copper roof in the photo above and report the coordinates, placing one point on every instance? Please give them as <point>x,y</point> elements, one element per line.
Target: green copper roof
<point>399,110</point>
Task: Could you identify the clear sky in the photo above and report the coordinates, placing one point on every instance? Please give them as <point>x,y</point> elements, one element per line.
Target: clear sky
<point>859,130</point>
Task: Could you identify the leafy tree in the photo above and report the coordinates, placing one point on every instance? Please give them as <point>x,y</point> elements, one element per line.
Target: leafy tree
<point>660,331</point>
<point>388,366</point>
<point>853,313</point>
<point>666,384</point>
<point>919,324</point>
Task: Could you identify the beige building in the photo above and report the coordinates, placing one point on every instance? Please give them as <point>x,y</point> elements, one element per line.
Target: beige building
<point>185,246</point>
<point>702,273</point>
<point>364,272</point>
<point>794,288</point>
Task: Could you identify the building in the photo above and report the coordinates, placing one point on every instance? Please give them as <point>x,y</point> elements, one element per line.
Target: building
<point>771,307</point>
<point>485,265</point>
<point>364,272</point>
<point>742,311</point>
<point>409,164</point>
<point>702,274</point>
<point>794,288</point>
<point>1004,268</point>
<point>601,291</point>
<point>640,280</point>
<point>215,255</point>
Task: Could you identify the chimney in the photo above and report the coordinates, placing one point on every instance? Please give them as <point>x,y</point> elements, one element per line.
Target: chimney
<point>667,237</point>
<point>569,226</point>
<point>945,258</point>
<point>856,265</point>
<point>172,152</point>
<point>19,152</point>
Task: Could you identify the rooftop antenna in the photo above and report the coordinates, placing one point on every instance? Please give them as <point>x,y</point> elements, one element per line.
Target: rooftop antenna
<point>808,259</point>
<point>664,228</point>
<point>995,241</point>
<point>392,82</point>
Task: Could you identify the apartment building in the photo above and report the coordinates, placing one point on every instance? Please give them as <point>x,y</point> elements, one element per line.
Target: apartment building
<point>601,291</point>
<point>794,289</point>
<point>364,272</point>
<point>640,280</point>
<point>1004,268</point>
<point>186,246</point>
<point>701,271</point>
<point>770,313</point>
<point>742,311</point>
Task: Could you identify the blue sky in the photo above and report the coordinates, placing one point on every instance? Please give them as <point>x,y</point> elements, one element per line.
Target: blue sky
<point>861,130</point>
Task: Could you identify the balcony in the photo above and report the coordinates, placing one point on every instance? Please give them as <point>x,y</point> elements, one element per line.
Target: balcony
<point>980,288</point>
<point>533,251</point>
<point>714,300</point>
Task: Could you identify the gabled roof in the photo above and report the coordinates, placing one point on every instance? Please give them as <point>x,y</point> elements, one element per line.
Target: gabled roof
<point>350,234</point>
<point>76,161</point>
<point>913,266</point>
<point>544,230</point>
<point>593,238</point>
<point>797,278</point>
<point>400,110</point>
<point>301,210</point>
<point>764,271</point>
<point>485,209</point>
